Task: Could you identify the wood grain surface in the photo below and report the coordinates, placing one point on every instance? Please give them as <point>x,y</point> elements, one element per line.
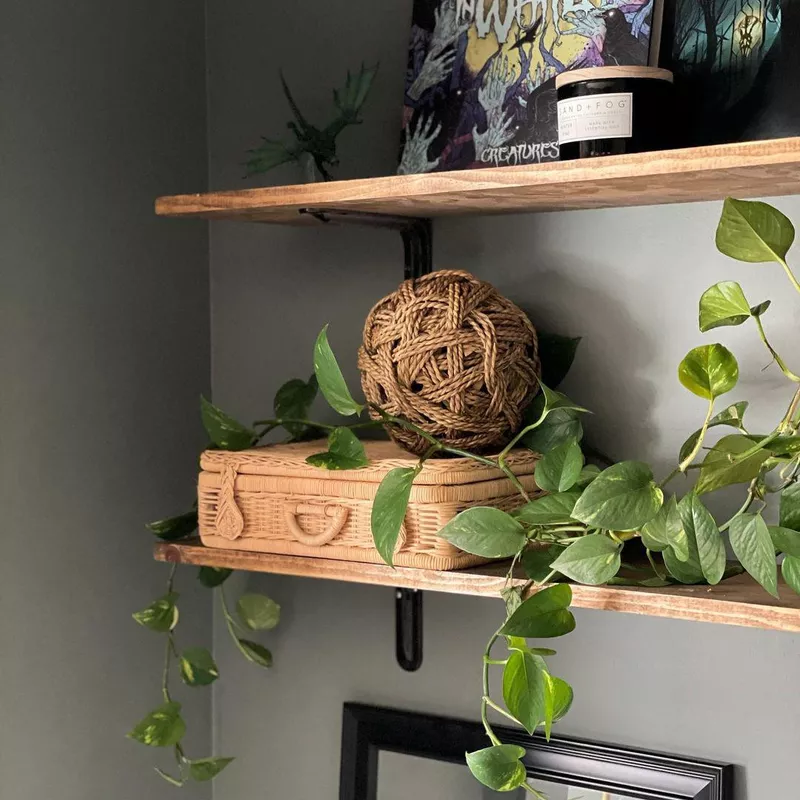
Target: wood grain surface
<point>736,601</point>
<point>749,169</point>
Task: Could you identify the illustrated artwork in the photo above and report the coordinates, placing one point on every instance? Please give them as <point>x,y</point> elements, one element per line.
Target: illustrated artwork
<point>736,63</point>
<point>480,86</point>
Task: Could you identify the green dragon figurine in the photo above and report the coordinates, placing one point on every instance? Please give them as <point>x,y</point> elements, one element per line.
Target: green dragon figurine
<point>319,144</point>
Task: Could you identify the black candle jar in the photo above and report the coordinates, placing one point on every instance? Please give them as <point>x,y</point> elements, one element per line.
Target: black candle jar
<point>606,111</point>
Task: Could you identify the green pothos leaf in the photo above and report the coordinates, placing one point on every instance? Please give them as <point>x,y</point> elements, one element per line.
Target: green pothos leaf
<point>175,528</point>
<point>592,559</point>
<point>293,402</point>
<point>485,531</point>
<point>751,541</point>
<point>706,547</point>
<point>622,498</point>
<point>198,667</point>
<point>525,689</point>
<point>559,470</point>
<point>345,451</point>
<point>206,769</point>
<point>709,371</point>
<point>330,378</point>
<point>223,430</point>
<point>389,510</point>
<point>162,727</point>
<point>498,767</point>
<point>753,231</point>
<point>211,577</point>
<point>161,615</point>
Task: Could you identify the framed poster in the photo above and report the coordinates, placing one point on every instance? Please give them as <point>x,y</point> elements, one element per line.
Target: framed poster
<point>737,67</point>
<point>389,754</point>
<point>480,86</point>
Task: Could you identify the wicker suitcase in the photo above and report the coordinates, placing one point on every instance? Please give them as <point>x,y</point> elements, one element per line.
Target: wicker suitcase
<point>269,500</point>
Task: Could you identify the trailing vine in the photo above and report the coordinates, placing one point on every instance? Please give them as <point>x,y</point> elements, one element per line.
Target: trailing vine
<point>577,532</point>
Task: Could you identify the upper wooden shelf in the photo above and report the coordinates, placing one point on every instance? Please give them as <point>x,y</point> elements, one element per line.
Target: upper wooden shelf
<point>750,169</point>
<point>736,601</point>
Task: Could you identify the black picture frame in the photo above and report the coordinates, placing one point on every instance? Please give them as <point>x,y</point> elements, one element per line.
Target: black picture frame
<point>366,730</point>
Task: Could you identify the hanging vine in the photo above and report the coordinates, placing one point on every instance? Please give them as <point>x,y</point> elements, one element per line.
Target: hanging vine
<point>577,532</point>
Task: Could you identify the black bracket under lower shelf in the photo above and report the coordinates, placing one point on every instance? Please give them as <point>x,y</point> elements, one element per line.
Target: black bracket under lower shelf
<point>417,235</point>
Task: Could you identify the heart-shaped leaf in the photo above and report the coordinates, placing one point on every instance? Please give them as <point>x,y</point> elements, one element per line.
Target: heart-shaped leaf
<point>592,560</point>
<point>545,615</point>
<point>163,727</point>
<point>198,667</point>
<point>622,498</point>
<point>720,467</point>
<point>389,510</point>
<point>549,510</point>
<point>498,767</point>
<point>753,231</point>
<point>559,470</point>
<point>556,354</point>
<point>330,378</point>
<point>255,653</point>
<point>211,577</point>
<point>175,528</point>
<point>258,612</point>
<point>558,426</point>
<point>525,689</point>
<point>293,402</point>
<point>751,541</point>
<point>709,371</point>
<point>487,532</point>
<point>160,616</point>
<point>704,538</point>
<point>223,430</point>
<point>206,769</point>
<point>723,304</point>
<point>345,451</point>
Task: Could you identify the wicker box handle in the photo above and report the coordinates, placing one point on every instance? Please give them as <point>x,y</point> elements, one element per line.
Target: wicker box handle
<point>338,518</point>
<point>229,522</point>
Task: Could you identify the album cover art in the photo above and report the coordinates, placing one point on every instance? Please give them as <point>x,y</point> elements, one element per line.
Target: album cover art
<point>480,88</point>
<point>737,68</point>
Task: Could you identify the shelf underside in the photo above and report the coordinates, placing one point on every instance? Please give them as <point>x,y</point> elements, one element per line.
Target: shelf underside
<point>737,601</point>
<point>749,169</point>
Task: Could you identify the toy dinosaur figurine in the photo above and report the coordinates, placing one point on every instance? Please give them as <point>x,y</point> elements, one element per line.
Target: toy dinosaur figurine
<point>319,144</point>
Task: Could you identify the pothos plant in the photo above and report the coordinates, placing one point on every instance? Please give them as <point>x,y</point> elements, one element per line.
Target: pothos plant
<point>589,528</point>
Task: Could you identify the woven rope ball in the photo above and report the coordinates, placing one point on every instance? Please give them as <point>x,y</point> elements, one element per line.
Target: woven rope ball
<point>449,353</point>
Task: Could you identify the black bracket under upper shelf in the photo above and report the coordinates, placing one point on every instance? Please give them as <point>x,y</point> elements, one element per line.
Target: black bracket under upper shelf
<point>416,232</point>
<point>417,235</point>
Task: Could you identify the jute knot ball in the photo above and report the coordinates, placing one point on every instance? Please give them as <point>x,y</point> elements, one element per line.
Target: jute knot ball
<point>450,354</point>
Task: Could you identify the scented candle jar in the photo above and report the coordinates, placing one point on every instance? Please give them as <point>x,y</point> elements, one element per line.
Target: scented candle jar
<point>606,111</point>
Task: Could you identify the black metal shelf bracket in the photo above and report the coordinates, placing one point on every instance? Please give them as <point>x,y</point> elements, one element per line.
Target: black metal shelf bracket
<point>417,236</point>
<point>416,232</point>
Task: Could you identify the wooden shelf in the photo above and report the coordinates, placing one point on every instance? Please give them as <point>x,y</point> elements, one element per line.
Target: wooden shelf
<point>737,601</point>
<point>750,169</point>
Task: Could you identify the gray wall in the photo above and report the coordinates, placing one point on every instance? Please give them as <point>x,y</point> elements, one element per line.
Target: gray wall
<point>627,280</point>
<point>104,351</point>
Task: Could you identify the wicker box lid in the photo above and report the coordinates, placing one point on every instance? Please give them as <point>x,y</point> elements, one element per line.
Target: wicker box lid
<point>289,461</point>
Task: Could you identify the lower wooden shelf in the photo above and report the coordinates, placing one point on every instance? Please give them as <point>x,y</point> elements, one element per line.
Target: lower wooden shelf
<point>736,601</point>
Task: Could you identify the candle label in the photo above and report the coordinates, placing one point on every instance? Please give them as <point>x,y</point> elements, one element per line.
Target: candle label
<point>597,116</point>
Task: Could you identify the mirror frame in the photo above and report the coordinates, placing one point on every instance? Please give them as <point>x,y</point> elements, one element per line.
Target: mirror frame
<point>366,730</point>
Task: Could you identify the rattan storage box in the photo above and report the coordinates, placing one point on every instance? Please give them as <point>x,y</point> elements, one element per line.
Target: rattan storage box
<point>269,500</point>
